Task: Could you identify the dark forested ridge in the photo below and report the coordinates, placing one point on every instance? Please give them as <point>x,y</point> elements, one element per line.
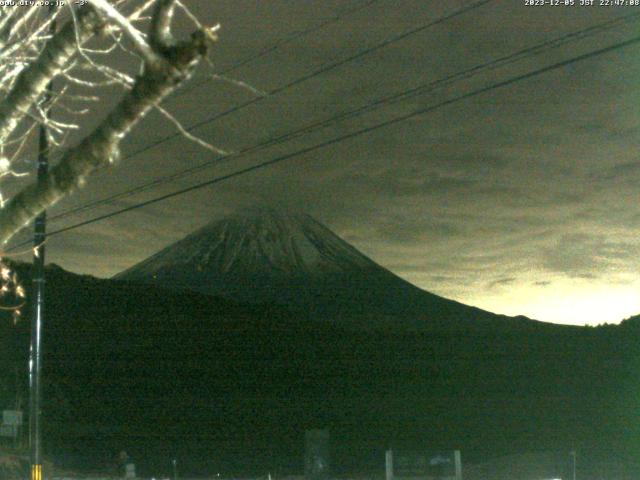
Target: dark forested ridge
<point>231,387</point>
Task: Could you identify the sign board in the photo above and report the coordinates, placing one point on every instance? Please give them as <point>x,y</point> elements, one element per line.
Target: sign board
<point>130,470</point>
<point>410,465</point>
<point>12,417</point>
<point>424,465</point>
<point>441,464</point>
<point>9,431</point>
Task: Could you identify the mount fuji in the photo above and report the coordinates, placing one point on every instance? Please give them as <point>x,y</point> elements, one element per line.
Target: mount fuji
<point>264,256</point>
<point>313,334</point>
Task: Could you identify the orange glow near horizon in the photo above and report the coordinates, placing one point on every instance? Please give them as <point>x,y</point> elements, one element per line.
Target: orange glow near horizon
<point>570,301</point>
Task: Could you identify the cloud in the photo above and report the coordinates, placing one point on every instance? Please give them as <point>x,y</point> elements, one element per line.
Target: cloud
<point>501,282</point>
<point>519,187</point>
<point>581,255</point>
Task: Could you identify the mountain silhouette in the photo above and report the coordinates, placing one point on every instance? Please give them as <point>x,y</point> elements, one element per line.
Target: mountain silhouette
<point>290,259</point>
<point>230,386</point>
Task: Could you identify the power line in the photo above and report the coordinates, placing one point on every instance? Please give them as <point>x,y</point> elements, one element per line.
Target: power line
<point>294,36</point>
<point>315,73</point>
<point>338,17</point>
<point>357,133</point>
<point>403,95</point>
<point>322,70</point>
<point>279,44</point>
<point>297,81</point>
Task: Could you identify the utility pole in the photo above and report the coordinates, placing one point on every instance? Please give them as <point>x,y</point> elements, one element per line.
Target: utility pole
<point>37,311</point>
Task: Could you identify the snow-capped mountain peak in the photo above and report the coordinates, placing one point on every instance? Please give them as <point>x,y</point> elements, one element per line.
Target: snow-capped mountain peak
<point>256,241</point>
<point>261,255</point>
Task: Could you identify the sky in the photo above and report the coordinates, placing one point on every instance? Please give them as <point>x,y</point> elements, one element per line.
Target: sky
<point>519,200</point>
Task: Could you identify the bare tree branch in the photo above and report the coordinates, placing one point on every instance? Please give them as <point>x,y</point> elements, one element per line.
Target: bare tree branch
<point>33,80</point>
<point>161,37</point>
<point>136,37</point>
<point>172,63</point>
<point>189,136</point>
